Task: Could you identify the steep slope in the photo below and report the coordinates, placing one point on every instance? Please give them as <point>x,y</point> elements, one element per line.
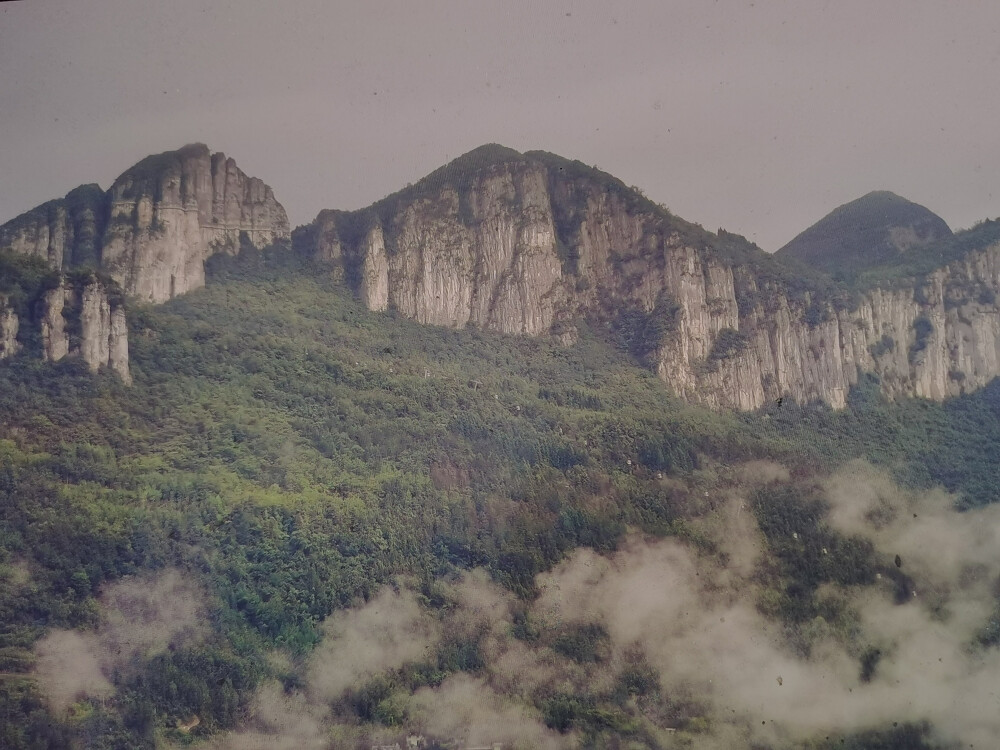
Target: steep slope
<point>530,243</point>
<point>156,226</point>
<point>871,231</point>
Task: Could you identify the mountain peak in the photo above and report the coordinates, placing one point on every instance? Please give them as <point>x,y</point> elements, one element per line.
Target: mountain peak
<point>873,230</point>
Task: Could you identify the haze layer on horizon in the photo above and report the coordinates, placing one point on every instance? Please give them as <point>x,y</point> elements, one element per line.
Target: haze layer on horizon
<point>759,117</point>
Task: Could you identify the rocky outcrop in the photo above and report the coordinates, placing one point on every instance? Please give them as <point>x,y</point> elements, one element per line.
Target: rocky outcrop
<point>170,212</point>
<point>935,340</point>
<point>156,226</point>
<point>80,320</point>
<point>492,262</point>
<point>9,325</point>
<point>66,232</point>
<point>531,243</point>
<point>79,317</point>
<point>151,233</point>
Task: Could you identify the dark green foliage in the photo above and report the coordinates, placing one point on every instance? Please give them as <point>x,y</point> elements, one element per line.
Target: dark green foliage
<point>914,266</point>
<point>989,635</point>
<point>865,233</point>
<point>638,680</point>
<point>23,279</point>
<point>922,329</point>
<point>922,443</point>
<point>728,344</point>
<point>210,682</point>
<point>583,643</point>
<point>25,723</point>
<point>278,446</point>
<point>884,345</point>
<point>641,333</point>
<point>869,663</point>
<point>564,712</point>
<point>810,553</point>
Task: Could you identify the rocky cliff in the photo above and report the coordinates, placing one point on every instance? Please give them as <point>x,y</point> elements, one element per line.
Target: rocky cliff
<point>80,317</point>
<point>532,243</point>
<point>172,211</point>
<point>156,226</point>
<point>151,234</point>
<point>66,232</point>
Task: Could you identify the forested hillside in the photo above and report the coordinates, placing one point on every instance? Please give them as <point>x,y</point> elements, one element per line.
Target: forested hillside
<point>290,472</point>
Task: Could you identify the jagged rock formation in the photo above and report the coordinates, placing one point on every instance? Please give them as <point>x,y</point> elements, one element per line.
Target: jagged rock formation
<point>871,231</point>
<point>65,232</point>
<point>156,226</point>
<point>529,243</point>
<point>77,318</point>
<point>151,233</point>
<point>170,212</point>
<point>533,244</point>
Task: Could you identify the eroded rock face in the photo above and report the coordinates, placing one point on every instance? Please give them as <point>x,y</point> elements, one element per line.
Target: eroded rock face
<point>82,321</point>
<point>170,212</point>
<point>528,246</point>
<point>488,258</point>
<point>9,325</point>
<point>156,226</point>
<point>66,232</point>
<point>151,233</point>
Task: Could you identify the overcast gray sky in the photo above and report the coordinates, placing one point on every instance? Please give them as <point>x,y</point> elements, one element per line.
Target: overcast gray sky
<point>759,117</point>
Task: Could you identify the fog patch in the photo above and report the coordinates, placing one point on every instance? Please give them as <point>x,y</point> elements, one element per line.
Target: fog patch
<point>68,668</point>
<point>698,625</point>
<point>140,617</point>
<point>279,721</point>
<point>384,634</point>
<point>465,708</point>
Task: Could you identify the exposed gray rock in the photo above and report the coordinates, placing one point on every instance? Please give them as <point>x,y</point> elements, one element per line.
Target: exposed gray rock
<point>172,211</point>
<point>528,244</point>
<point>9,325</point>
<point>156,226</point>
<point>102,338</point>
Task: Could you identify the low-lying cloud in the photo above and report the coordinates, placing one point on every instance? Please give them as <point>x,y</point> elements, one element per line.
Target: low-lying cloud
<point>141,616</point>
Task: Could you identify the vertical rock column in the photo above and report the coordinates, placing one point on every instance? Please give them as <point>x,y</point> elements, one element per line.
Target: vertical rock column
<point>9,324</point>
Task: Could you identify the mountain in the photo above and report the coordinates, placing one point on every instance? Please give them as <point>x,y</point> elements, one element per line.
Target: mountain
<point>147,237</point>
<point>534,244</point>
<point>531,243</point>
<point>874,230</point>
<point>410,480</point>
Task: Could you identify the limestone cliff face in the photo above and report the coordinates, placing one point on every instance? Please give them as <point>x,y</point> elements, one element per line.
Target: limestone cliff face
<point>81,320</point>
<point>151,233</point>
<point>65,232</point>
<point>9,325</point>
<point>156,226</point>
<point>170,212</point>
<point>487,258</point>
<point>531,243</point>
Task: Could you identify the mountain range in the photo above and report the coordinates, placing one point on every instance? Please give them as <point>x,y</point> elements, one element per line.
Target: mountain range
<point>533,243</point>
<point>513,456</point>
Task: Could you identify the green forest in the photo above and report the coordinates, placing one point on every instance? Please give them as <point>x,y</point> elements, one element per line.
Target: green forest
<point>293,454</point>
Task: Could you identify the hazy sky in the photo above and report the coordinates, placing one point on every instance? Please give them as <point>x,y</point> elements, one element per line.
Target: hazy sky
<point>759,117</point>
